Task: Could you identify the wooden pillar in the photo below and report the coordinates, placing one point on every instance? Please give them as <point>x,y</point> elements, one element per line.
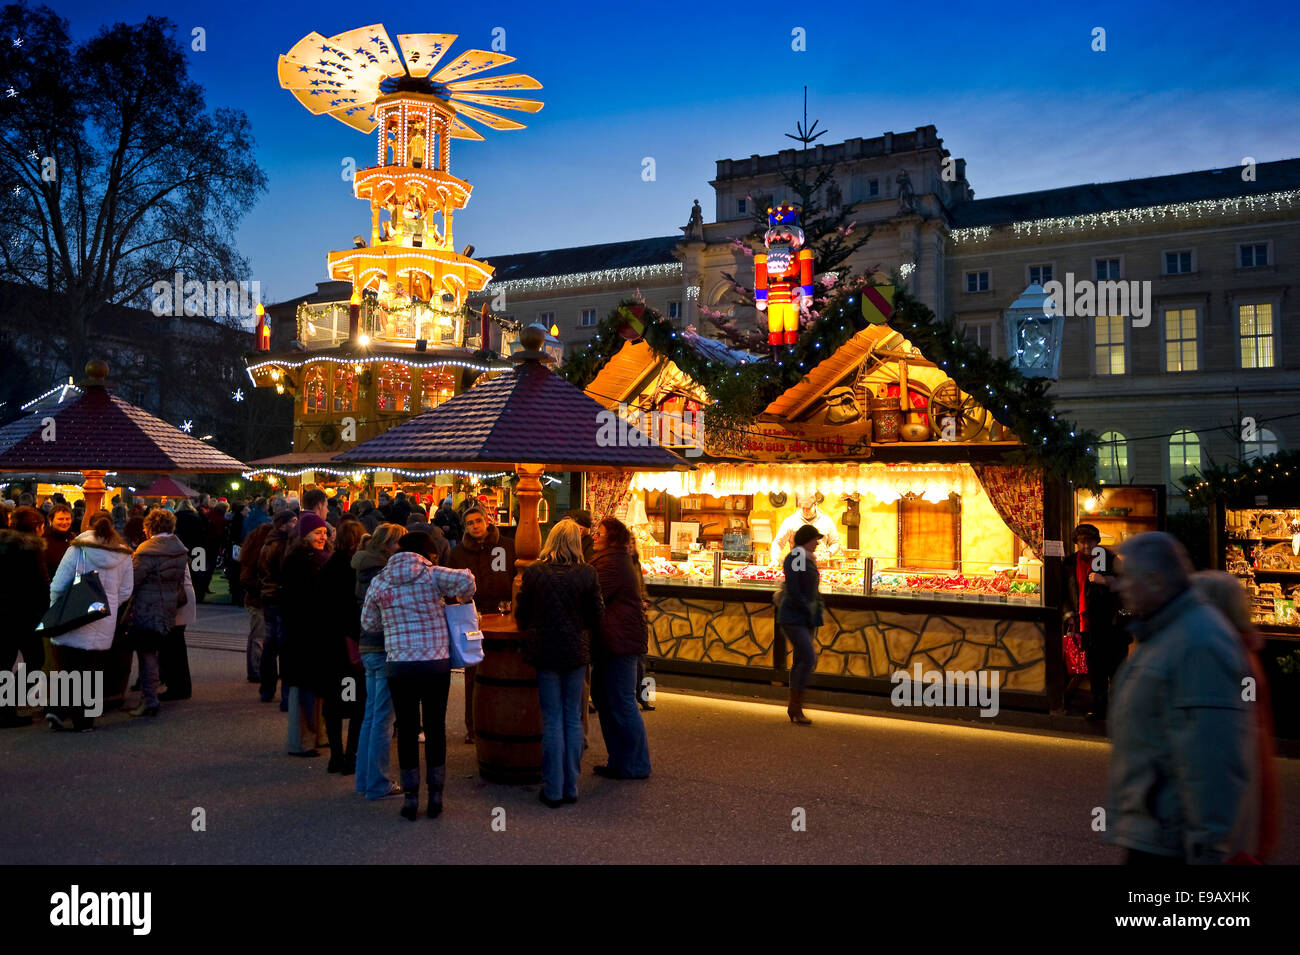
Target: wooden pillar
<point>528,534</point>
<point>93,489</point>
<point>1055,493</point>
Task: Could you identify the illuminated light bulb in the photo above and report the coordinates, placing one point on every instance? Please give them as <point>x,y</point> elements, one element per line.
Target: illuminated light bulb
<point>275,374</point>
<point>363,341</point>
<point>279,388</point>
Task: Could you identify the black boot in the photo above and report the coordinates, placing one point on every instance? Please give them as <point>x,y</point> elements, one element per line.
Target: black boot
<point>410,794</point>
<point>436,778</point>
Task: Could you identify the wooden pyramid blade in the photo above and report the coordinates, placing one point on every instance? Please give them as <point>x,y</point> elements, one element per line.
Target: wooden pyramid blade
<point>486,118</point>
<point>469,62</point>
<point>308,48</point>
<point>373,53</point>
<point>302,76</point>
<point>500,102</point>
<point>359,116</point>
<point>460,131</point>
<point>422,51</point>
<point>511,81</point>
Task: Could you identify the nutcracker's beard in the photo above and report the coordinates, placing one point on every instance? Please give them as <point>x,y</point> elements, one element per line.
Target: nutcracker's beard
<point>779,258</point>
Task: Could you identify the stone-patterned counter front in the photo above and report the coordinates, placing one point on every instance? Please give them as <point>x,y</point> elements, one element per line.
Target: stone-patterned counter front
<point>862,636</point>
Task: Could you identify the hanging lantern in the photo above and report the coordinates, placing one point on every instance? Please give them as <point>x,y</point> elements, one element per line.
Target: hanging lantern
<point>1035,326</point>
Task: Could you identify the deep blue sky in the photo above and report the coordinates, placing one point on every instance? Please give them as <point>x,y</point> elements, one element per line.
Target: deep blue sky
<point>1014,88</point>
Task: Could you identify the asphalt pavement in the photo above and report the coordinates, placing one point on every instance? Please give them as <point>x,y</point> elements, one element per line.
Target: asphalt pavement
<point>733,782</point>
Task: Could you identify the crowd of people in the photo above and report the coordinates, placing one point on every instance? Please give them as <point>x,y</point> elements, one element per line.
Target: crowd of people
<point>346,620</point>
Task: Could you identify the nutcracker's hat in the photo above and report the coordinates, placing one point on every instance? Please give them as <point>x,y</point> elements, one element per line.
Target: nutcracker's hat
<point>784,214</point>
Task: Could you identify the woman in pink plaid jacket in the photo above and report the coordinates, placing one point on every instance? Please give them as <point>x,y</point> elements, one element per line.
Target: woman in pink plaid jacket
<point>405,603</point>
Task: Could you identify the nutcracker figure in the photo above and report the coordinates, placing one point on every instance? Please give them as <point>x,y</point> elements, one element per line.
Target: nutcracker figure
<point>783,278</point>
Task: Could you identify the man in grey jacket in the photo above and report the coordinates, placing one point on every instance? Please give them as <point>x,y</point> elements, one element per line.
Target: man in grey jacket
<point>1182,765</point>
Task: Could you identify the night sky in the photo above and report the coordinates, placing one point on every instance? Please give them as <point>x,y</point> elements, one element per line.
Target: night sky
<point>1013,88</point>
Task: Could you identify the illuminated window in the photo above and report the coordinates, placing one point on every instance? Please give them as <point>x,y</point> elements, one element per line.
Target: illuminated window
<point>1264,445</point>
<point>1180,339</point>
<point>1112,458</point>
<point>436,386</point>
<point>1256,335</point>
<point>1184,455</point>
<point>314,387</point>
<point>345,388</point>
<point>394,387</point>
<point>1109,348</point>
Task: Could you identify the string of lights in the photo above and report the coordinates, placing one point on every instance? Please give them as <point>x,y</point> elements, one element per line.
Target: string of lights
<point>1119,218</point>
<point>601,277</point>
<point>373,359</point>
<point>57,388</point>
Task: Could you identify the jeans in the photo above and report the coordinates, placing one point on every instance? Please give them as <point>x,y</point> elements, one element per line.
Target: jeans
<point>412,695</point>
<point>563,701</point>
<point>801,644</point>
<point>376,740</point>
<point>256,640</point>
<point>614,689</point>
<point>271,649</point>
<point>148,677</point>
<point>302,720</point>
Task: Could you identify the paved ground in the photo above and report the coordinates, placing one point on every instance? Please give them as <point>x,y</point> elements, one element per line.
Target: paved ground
<point>729,775</point>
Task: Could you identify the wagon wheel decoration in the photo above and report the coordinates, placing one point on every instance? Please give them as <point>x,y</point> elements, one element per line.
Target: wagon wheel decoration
<point>949,401</point>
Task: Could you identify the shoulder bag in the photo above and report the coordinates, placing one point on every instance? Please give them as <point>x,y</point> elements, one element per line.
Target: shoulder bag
<point>82,603</point>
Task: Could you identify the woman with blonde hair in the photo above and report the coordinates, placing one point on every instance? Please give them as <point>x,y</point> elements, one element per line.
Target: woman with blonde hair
<point>1224,592</point>
<point>375,743</point>
<point>559,608</point>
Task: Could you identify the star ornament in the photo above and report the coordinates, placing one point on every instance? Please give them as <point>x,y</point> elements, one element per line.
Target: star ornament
<point>187,426</point>
<point>237,394</point>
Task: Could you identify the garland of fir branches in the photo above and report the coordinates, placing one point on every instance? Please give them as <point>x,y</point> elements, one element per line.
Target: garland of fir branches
<point>1277,476</point>
<point>739,393</point>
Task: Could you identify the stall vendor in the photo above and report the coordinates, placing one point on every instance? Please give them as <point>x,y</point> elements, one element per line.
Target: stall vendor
<point>807,513</point>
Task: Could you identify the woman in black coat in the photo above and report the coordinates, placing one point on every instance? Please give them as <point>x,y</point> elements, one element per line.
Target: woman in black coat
<point>345,692</point>
<point>623,638</point>
<point>25,595</point>
<point>559,608</point>
<point>306,662</point>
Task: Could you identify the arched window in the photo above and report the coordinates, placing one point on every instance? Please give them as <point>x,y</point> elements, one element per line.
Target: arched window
<point>345,388</point>
<point>1112,458</point>
<point>1265,444</point>
<point>1184,455</point>
<point>314,390</point>
<point>436,386</point>
<point>394,387</point>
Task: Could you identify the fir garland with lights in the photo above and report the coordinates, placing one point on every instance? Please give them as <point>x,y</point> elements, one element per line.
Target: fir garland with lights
<point>1277,476</point>
<point>739,393</point>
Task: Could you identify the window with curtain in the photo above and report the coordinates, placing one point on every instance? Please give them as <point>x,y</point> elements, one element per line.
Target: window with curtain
<point>1180,339</point>
<point>1256,323</point>
<point>1112,458</point>
<point>1184,455</point>
<point>1109,345</point>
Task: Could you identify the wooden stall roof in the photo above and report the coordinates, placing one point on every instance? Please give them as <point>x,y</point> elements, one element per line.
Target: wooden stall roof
<point>844,361</point>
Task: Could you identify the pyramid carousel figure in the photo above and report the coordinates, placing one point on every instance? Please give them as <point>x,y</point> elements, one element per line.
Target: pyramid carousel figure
<point>783,278</point>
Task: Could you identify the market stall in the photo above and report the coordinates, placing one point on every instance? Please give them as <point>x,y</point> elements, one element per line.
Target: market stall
<point>934,550</point>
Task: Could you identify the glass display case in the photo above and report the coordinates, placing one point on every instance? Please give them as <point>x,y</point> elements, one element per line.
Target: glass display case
<point>1121,511</point>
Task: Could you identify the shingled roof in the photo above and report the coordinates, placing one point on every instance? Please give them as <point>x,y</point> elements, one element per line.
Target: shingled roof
<point>99,431</point>
<point>1127,194</point>
<point>526,416</point>
<point>584,258</point>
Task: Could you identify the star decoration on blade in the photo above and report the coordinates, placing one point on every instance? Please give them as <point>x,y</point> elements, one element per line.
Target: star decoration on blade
<point>238,394</point>
<point>187,426</point>
<point>361,65</point>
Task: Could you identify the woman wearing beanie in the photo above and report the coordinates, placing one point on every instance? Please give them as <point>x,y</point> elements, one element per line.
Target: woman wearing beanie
<point>305,662</point>
<point>406,602</point>
<point>800,614</point>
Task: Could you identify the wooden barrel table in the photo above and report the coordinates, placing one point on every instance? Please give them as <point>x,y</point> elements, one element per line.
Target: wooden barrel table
<point>507,714</point>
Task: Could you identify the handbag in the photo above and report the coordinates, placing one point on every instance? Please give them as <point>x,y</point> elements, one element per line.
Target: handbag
<point>466,642</point>
<point>82,603</point>
<point>1075,661</point>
